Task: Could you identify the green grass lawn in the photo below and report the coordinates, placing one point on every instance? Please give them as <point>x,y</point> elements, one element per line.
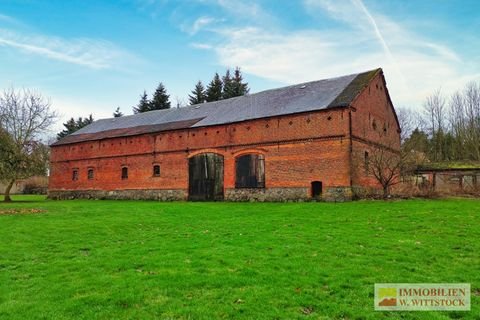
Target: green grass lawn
<point>140,259</point>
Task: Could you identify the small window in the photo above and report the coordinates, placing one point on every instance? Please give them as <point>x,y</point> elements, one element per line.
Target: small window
<point>156,170</point>
<point>374,125</point>
<point>367,162</point>
<point>90,174</point>
<point>75,174</point>
<point>124,173</point>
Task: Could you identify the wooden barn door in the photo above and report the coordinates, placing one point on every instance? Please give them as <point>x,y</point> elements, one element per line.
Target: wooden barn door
<point>205,172</point>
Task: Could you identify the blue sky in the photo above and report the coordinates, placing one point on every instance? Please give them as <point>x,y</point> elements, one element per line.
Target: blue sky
<point>92,56</point>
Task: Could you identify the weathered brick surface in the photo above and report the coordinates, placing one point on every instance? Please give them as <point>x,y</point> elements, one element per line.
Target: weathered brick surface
<point>298,149</point>
<point>373,124</point>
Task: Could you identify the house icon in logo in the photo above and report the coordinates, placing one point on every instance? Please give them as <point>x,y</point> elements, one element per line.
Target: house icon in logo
<point>387,297</point>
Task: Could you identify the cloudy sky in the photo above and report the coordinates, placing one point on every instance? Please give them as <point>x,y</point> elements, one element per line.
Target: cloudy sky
<point>94,56</point>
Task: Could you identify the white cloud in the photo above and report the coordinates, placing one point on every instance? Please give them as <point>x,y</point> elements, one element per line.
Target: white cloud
<point>236,11</point>
<point>202,46</point>
<point>198,25</point>
<point>91,53</point>
<point>247,9</point>
<point>414,66</point>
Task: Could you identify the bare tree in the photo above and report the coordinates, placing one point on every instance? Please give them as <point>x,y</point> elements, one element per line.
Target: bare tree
<point>435,110</point>
<point>464,122</point>
<point>408,120</point>
<point>25,116</point>
<point>388,166</point>
<point>456,117</point>
<point>180,102</point>
<point>471,97</point>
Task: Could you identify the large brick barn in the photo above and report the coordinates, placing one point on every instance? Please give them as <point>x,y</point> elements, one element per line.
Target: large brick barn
<point>291,143</point>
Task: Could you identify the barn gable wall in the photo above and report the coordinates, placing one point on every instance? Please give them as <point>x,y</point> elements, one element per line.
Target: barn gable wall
<point>374,125</point>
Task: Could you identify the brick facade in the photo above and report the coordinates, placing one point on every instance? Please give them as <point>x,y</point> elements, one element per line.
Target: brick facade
<point>374,125</point>
<point>298,149</point>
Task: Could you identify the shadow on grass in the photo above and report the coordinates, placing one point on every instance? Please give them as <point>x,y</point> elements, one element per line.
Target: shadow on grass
<point>21,201</point>
<point>24,199</point>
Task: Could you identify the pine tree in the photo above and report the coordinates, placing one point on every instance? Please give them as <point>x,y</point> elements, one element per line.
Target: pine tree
<point>73,125</point>
<point>198,94</point>
<point>70,127</point>
<point>160,99</point>
<point>84,122</point>
<point>239,87</point>
<point>214,89</point>
<point>418,141</point>
<point>117,113</point>
<point>228,86</point>
<point>143,105</point>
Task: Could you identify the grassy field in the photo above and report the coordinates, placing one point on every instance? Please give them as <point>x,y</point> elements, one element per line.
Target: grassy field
<point>141,260</point>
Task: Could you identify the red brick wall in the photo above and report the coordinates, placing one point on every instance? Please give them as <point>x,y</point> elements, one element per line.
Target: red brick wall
<point>298,149</point>
<point>372,106</point>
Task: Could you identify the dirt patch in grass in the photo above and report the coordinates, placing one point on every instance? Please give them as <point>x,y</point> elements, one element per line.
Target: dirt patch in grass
<point>22,211</point>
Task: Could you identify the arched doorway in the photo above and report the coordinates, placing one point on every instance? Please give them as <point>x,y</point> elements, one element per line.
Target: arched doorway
<point>250,171</point>
<point>205,177</point>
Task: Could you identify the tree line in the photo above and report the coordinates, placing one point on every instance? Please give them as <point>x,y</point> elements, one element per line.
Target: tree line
<point>219,88</point>
<point>229,86</point>
<point>73,125</point>
<point>447,128</point>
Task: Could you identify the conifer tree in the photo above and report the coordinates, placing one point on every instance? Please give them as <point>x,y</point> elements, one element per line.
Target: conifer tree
<point>73,125</point>
<point>239,87</point>
<point>117,113</point>
<point>160,99</point>
<point>143,105</point>
<point>214,89</point>
<point>82,122</point>
<point>228,86</point>
<point>198,94</point>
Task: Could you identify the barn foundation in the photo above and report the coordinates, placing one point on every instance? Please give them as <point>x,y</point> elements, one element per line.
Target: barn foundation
<point>335,194</point>
<point>159,195</point>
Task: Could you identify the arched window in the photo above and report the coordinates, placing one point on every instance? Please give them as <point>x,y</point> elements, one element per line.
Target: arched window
<point>156,170</point>
<point>250,171</point>
<point>90,174</point>
<point>124,173</point>
<point>75,174</point>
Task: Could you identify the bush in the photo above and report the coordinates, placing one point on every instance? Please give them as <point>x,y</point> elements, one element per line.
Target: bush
<point>35,185</point>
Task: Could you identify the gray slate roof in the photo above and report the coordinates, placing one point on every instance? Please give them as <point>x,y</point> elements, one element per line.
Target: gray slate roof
<point>305,97</point>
